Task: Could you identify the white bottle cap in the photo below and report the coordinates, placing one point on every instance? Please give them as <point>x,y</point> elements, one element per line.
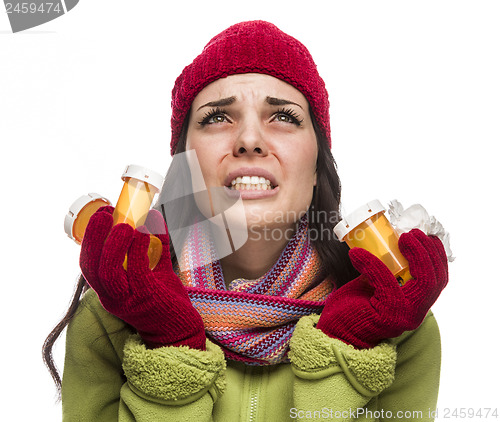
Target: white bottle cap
<point>76,207</point>
<point>143,174</point>
<point>355,218</point>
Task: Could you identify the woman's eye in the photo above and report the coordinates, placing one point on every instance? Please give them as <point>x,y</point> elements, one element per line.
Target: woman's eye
<point>284,118</point>
<point>217,119</point>
<point>213,116</point>
<point>288,116</point>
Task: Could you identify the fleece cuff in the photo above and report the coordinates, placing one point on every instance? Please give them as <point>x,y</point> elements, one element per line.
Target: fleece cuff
<point>173,375</point>
<point>315,355</point>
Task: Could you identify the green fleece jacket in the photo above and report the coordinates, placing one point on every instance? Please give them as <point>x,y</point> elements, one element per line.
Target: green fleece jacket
<point>109,375</point>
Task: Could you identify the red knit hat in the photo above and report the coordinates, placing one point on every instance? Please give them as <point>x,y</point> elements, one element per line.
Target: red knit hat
<point>251,47</point>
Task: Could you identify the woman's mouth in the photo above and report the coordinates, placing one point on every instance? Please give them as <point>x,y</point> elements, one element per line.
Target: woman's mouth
<point>242,183</point>
<point>251,183</point>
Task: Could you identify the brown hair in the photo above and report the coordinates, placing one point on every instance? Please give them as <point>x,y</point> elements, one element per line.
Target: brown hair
<point>48,344</point>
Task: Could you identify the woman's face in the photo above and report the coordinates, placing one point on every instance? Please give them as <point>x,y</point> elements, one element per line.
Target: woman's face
<point>252,133</point>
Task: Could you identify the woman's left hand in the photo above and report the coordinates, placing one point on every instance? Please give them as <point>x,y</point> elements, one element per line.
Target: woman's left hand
<point>373,307</point>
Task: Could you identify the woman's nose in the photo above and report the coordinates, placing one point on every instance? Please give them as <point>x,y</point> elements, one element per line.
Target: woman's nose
<point>250,141</point>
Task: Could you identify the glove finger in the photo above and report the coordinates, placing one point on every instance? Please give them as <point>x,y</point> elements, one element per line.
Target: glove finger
<point>443,259</point>
<point>156,225</point>
<point>436,253</point>
<point>387,302</point>
<point>93,241</point>
<point>138,260</point>
<point>111,271</point>
<point>106,209</point>
<point>385,285</point>
<point>421,267</point>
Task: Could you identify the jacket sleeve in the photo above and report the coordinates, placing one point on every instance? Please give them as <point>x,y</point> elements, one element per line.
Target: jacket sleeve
<point>347,383</point>
<point>109,375</point>
<point>415,388</point>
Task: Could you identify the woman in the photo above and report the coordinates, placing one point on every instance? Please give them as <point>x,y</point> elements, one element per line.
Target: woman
<point>284,327</point>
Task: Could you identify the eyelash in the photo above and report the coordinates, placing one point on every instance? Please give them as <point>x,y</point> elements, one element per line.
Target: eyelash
<point>211,113</point>
<point>294,117</point>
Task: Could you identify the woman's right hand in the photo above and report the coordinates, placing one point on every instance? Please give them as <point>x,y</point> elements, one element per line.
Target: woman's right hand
<point>154,302</point>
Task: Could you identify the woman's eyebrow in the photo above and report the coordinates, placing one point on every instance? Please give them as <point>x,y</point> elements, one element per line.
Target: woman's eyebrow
<point>219,103</point>
<point>280,101</point>
<point>230,100</point>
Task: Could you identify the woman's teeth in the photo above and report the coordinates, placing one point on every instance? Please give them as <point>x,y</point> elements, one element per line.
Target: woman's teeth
<point>251,183</point>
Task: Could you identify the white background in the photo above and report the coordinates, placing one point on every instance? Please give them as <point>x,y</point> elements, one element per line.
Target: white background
<point>415,105</point>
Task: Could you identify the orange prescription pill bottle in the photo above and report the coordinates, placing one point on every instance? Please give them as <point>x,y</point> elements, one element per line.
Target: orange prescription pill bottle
<point>368,228</point>
<point>79,214</point>
<point>139,188</point>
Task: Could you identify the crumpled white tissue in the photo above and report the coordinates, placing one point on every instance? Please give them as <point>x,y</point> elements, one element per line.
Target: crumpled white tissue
<point>416,217</point>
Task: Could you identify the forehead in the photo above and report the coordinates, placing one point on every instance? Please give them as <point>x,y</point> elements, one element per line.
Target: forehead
<point>249,85</point>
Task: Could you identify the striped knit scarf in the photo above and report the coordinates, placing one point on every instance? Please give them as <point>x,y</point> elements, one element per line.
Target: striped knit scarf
<point>253,320</point>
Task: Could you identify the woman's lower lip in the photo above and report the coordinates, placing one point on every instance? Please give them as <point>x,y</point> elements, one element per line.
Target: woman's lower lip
<point>251,194</point>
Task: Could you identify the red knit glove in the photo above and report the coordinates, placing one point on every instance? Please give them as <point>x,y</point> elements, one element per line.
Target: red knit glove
<point>154,302</point>
<point>373,307</point>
